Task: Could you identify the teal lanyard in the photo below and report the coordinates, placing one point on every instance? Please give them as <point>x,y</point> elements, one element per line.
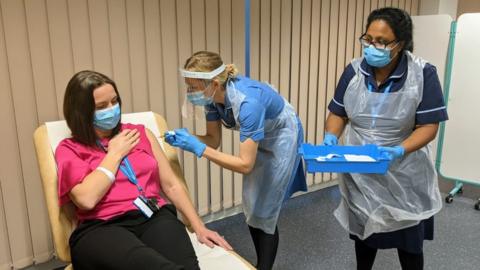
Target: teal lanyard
<point>127,169</point>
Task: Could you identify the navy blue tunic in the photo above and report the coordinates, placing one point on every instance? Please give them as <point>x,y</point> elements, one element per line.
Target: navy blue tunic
<point>430,110</point>
<point>409,239</point>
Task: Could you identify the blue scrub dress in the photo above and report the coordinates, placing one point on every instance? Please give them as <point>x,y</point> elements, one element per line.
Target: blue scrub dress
<point>274,104</point>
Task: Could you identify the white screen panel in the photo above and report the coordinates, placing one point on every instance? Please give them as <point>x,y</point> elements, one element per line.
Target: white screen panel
<point>460,158</point>
<point>431,34</point>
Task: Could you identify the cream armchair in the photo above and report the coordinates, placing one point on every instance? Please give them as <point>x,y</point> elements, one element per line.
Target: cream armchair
<point>62,220</point>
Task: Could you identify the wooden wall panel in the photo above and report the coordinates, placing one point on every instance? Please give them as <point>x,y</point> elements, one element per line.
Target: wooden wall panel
<point>382,3</point>
<point>374,4</point>
<point>198,17</point>
<point>285,47</point>
<point>322,78</point>
<point>265,37</point>
<point>303,84</point>
<point>22,91</point>
<point>212,16</point>
<point>170,62</point>
<point>238,57</point>
<point>358,25</point>
<point>225,40</point>
<point>342,39</point>
<point>414,8</point>
<point>5,256</point>
<point>78,12</point>
<point>184,26</point>
<point>153,43</point>
<point>312,105</point>
<point>351,39</point>
<point>14,204</point>
<point>117,17</point>
<point>41,57</point>
<point>275,28</point>
<point>295,52</point>
<point>366,11</point>
<point>254,38</point>
<point>100,38</point>
<point>138,61</point>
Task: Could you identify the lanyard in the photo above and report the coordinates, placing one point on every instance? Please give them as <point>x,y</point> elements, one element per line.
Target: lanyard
<point>382,100</point>
<point>127,169</point>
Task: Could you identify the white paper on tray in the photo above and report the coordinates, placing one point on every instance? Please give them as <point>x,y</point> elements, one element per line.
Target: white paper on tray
<point>327,157</point>
<point>359,158</point>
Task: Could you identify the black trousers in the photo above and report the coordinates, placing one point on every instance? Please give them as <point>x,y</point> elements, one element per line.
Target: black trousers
<point>132,241</point>
<point>366,257</point>
<point>266,246</point>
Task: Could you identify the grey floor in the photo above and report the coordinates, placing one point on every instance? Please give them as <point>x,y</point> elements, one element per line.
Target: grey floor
<point>310,237</point>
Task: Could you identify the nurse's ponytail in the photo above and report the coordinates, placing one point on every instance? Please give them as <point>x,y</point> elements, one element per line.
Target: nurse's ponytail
<point>230,72</point>
<point>207,61</point>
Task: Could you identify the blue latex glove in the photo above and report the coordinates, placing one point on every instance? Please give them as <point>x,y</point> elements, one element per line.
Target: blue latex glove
<point>330,139</point>
<point>184,140</point>
<point>393,152</point>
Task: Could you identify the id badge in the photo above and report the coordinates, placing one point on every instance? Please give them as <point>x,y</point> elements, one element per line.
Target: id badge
<point>142,204</point>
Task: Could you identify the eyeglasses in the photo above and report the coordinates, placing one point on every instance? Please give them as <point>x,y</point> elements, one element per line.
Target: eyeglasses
<point>366,42</point>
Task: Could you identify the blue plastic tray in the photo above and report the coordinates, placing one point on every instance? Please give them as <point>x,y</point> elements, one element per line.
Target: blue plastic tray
<point>339,164</point>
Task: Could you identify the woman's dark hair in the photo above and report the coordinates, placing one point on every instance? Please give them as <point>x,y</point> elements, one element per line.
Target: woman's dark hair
<point>79,105</point>
<point>399,21</point>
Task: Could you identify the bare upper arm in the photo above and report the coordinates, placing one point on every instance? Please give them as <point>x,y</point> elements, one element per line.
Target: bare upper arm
<point>248,152</point>
<point>433,126</point>
<point>429,130</point>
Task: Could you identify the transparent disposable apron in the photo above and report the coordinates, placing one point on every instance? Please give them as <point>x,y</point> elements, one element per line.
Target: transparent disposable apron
<point>408,192</point>
<point>265,186</point>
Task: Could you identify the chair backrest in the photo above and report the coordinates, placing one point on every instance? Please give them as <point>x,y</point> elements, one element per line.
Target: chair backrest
<point>47,138</point>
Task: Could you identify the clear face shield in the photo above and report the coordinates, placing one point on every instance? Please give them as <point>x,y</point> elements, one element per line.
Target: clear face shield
<point>199,91</point>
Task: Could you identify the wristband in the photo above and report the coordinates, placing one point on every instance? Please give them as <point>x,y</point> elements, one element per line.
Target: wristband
<point>107,172</point>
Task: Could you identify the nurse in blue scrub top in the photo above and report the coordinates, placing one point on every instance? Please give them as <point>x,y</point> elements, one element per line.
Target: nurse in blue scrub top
<point>391,98</point>
<point>270,134</point>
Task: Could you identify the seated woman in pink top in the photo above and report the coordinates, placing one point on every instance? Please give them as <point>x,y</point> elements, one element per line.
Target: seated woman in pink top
<point>114,174</point>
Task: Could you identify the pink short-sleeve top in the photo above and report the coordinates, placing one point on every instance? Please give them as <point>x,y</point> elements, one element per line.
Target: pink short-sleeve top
<point>76,160</point>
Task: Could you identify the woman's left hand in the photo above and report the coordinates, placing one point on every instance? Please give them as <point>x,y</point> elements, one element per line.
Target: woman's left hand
<point>212,238</point>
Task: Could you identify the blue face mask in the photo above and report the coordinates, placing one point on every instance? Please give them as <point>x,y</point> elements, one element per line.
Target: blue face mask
<point>377,57</point>
<point>107,119</point>
<point>199,99</point>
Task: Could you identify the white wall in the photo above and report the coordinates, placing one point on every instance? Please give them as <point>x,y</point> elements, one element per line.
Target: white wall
<point>432,7</point>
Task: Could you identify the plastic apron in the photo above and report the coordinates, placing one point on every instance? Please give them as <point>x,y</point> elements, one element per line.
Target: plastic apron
<point>265,187</point>
<point>408,192</point>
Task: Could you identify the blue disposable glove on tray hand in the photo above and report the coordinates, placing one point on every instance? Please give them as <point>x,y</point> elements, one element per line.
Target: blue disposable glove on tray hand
<point>330,139</point>
<point>393,152</point>
<point>182,139</point>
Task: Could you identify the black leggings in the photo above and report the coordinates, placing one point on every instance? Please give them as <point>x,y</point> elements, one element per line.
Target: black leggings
<point>366,256</point>
<point>265,246</point>
<point>133,242</point>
